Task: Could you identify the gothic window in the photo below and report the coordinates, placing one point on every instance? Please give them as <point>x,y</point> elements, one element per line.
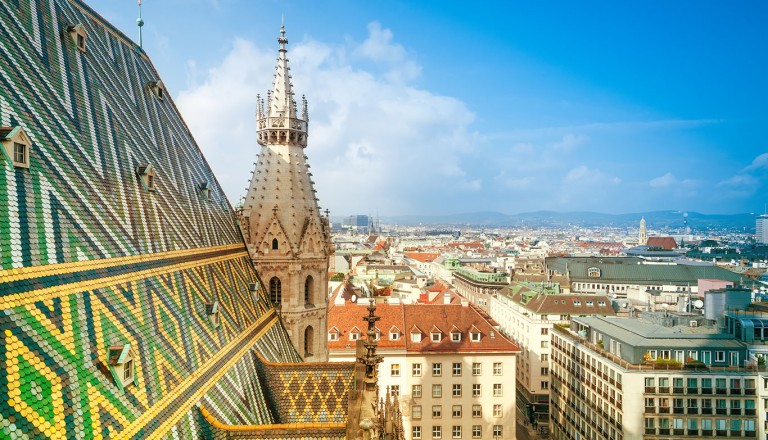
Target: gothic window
<point>275,291</point>
<point>275,245</point>
<point>309,341</point>
<point>308,286</point>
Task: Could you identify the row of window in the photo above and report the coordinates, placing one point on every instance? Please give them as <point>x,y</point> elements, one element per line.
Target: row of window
<point>456,369</point>
<point>456,411</point>
<point>698,423</point>
<point>692,383</point>
<point>456,390</point>
<point>692,356</point>
<point>276,294</point>
<point>456,431</point>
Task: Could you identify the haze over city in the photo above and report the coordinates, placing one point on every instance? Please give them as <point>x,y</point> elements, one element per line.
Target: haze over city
<point>439,108</point>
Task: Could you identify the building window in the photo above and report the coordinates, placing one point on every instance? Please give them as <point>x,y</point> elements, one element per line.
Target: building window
<point>437,411</point>
<point>544,344</point>
<point>416,411</point>
<point>719,356</point>
<point>544,371</point>
<point>456,390</point>
<point>456,431</point>
<point>477,431</point>
<point>309,341</point>
<point>544,357</point>
<point>333,336</point>
<point>544,331</point>
<point>456,411</point>
<point>437,390</point>
<point>475,390</point>
<point>544,385</point>
<point>497,369</point>
<point>477,411</point>
<point>415,337</point>
<point>436,336</point>
<point>416,432</point>
<point>394,370</point>
<point>77,34</point>
<point>275,290</point>
<point>157,88</point>
<point>205,190</point>
<point>456,369</point>
<point>394,390</point>
<point>474,336</point>
<point>437,369</point>
<point>437,431</point>
<point>497,390</point>
<point>394,335</point>
<point>416,390</point>
<point>416,370</point>
<point>275,244</point>
<point>16,145</point>
<point>309,284</point>
<point>497,412</point>
<point>19,153</point>
<point>476,368</point>
<point>455,337</point>
<point>497,431</point>
<point>354,336</point>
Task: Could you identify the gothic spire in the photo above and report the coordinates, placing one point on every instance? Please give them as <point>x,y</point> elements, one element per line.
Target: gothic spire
<point>282,94</point>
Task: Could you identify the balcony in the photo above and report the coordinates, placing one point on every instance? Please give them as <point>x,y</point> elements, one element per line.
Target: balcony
<point>707,410</point>
<point>678,432</point>
<point>750,434</point>
<point>735,411</point>
<point>706,433</point>
<point>664,410</point>
<point>650,410</point>
<point>663,390</point>
<point>650,390</point>
<point>664,431</point>
<point>678,390</point>
<point>692,410</point>
<point>749,391</point>
<point>721,391</point>
<point>678,410</point>
<point>693,391</point>
<point>750,411</point>
<point>693,432</point>
<point>735,391</point>
<point>706,391</point>
<point>721,411</point>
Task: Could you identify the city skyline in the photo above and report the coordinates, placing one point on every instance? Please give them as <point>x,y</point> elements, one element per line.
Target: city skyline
<point>602,108</point>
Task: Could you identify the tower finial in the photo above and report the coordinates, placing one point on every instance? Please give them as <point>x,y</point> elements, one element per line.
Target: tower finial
<point>282,39</point>
<point>140,23</point>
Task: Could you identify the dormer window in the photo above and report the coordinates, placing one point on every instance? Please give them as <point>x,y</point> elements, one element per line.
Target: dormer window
<point>205,190</point>
<point>416,337</point>
<point>333,334</point>
<point>354,334</point>
<point>77,34</point>
<point>16,145</point>
<point>455,335</point>
<point>157,88</point>
<point>121,365</point>
<point>474,334</point>
<point>146,174</point>
<point>212,311</point>
<point>394,334</point>
<point>436,336</point>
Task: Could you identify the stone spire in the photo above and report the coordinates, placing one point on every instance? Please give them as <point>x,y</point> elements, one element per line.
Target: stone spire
<point>288,237</point>
<point>642,238</point>
<point>278,120</point>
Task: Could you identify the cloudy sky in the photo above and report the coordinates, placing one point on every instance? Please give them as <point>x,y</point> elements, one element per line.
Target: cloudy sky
<point>450,107</point>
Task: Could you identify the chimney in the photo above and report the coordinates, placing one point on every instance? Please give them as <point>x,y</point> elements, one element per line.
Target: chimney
<point>447,298</point>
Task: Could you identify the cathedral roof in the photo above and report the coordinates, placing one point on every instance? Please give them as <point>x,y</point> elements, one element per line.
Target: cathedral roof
<point>127,293</point>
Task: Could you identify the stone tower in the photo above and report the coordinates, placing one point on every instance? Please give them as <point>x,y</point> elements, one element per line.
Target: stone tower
<point>642,238</point>
<point>288,238</point>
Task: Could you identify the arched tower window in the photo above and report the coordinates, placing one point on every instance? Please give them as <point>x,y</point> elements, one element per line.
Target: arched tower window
<point>275,290</point>
<point>274,243</point>
<point>309,341</point>
<point>309,286</point>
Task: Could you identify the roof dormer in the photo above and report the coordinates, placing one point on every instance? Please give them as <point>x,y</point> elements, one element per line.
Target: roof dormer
<point>120,361</point>
<point>76,33</point>
<point>146,174</point>
<point>157,88</point>
<point>16,145</point>
<point>415,334</point>
<point>333,334</point>
<point>455,334</point>
<point>354,334</point>
<point>435,334</point>
<point>474,334</point>
<point>205,190</point>
<point>394,333</point>
<point>212,312</point>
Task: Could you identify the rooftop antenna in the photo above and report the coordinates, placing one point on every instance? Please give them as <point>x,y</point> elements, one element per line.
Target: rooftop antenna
<point>140,23</point>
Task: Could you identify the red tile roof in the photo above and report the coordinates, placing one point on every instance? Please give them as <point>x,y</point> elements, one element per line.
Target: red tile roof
<point>416,317</point>
<point>666,243</point>
<point>423,257</point>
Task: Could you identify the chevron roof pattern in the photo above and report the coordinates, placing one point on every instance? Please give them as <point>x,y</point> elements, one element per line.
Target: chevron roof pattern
<point>117,238</point>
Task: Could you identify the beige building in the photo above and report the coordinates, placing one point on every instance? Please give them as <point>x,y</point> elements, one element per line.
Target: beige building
<point>527,313</point>
<point>453,371</point>
<point>287,237</point>
<point>628,378</point>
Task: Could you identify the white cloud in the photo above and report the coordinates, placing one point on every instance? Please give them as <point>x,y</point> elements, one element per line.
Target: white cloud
<point>759,163</point>
<point>583,175</point>
<point>662,181</point>
<point>569,141</point>
<point>375,137</point>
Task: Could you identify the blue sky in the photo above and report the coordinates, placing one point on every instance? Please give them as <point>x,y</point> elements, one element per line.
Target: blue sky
<point>448,107</point>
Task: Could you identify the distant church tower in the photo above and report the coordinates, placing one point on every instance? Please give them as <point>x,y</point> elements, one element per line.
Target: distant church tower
<point>642,238</point>
<point>288,238</point>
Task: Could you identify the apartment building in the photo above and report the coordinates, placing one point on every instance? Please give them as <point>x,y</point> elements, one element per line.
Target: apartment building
<point>526,313</point>
<point>452,370</point>
<point>634,378</point>
<point>479,285</point>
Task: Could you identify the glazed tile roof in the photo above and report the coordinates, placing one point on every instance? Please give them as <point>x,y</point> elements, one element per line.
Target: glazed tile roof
<point>90,259</point>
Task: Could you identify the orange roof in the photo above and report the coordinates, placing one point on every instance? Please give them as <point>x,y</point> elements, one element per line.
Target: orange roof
<point>423,257</point>
<point>666,243</point>
<point>415,317</point>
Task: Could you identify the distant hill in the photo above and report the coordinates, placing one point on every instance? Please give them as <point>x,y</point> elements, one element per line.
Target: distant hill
<point>672,220</point>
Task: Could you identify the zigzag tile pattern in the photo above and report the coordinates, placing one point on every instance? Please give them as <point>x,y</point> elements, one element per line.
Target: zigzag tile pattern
<point>89,258</point>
